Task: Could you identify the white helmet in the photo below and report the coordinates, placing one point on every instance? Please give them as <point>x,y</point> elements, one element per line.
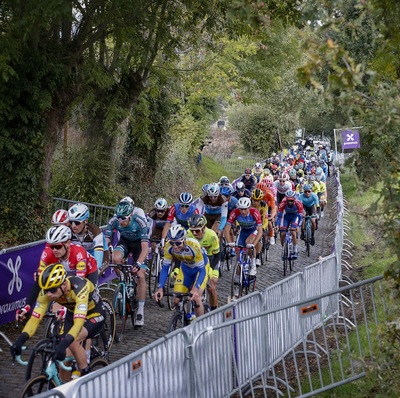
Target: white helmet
<point>128,199</point>
<point>213,190</point>
<point>243,203</point>
<point>78,212</point>
<point>58,234</point>
<point>161,204</point>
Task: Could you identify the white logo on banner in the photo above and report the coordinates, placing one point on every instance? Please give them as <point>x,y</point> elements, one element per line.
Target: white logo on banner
<point>350,137</point>
<point>16,280</point>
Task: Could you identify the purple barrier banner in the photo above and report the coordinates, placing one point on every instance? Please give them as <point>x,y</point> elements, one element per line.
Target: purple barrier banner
<point>351,139</point>
<point>16,270</point>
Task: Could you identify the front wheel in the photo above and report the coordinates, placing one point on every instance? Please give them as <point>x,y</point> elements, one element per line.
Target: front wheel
<point>153,275</point>
<point>36,386</point>
<point>236,283</point>
<point>40,354</point>
<point>119,304</point>
<point>177,321</point>
<point>285,257</point>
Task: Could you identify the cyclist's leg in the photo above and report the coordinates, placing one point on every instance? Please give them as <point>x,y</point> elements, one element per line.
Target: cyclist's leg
<point>212,287</point>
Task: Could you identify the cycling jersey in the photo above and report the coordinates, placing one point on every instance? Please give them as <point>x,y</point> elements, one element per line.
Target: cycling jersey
<point>251,221</point>
<point>136,230</point>
<point>181,218</point>
<point>192,257</point>
<point>210,241</point>
<point>286,212</point>
<point>157,223</point>
<point>83,303</point>
<point>214,210</point>
<point>92,239</point>
<point>309,201</point>
<point>263,209</point>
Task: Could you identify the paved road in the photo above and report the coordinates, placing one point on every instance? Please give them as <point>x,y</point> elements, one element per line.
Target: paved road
<point>156,318</point>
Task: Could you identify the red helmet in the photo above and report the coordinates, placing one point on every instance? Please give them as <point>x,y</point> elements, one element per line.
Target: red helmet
<point>60,217</point>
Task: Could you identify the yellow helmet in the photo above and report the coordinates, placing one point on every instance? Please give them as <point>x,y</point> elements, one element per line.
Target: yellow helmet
<point>257,194</point>
<point>52,276</point>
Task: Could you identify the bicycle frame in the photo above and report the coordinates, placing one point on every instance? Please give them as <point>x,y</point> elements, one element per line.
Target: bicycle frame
<point>244,283</point>
<point>287,250</point>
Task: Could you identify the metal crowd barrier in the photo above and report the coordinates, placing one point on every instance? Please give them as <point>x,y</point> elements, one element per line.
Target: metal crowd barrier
<point>284,340</point>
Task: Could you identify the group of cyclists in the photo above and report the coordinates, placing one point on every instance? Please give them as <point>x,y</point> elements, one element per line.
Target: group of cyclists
<point>265,200</point>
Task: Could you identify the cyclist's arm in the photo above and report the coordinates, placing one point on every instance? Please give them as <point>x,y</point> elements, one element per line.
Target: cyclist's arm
<point>201,275</point>
<point>224,216</point>
<point>37,314</point>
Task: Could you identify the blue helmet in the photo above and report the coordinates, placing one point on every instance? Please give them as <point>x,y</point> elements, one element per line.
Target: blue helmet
<point>227,190</point>
<point>185,198</point>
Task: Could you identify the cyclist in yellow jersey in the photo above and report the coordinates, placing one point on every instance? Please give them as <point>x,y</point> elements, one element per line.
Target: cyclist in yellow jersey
<point>256,201</point>
<point>84,317</point>
<point>209,240</point>
<point>194,270</point>
<point>322,195</point>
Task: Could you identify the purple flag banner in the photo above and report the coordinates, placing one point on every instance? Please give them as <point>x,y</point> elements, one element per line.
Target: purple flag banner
<point>351,139</point>
<point>16,270</point>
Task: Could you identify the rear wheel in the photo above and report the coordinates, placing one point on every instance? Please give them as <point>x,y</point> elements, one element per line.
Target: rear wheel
<point>308,238</point>
<point>170,289</point>
<point>36,386</point>
<point>97,363</point>
<point>104,340</point>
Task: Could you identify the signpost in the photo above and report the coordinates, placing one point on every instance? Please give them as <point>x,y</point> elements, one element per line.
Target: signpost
<point>350,138</point>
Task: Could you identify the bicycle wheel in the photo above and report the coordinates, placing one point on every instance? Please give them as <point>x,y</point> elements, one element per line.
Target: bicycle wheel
<point>307,238</point>
<point>236,283</point>
<point>108,332</point>
<point>97,364</point>
<point>36,386</point>
<point>285,257</point>
<point>119,304</point>
<point>207,308</point>
<point>153,275</point>
<point>40,354</point>
<point>170,289</point>
<point>177,321</point>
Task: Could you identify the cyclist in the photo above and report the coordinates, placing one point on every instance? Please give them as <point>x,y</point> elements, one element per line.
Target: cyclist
<point>310,203</point>
<point>258,171</point>
<point>194,270</point>
<point>208,239</point>
<point>282,185</point>
<point>84,317</point>
<point>258,203</point>
<point>214,206</point>
<point>223,182</point>
<point>180,212</point>
<point>241,191</point>
<point>86,234</point>
<point>133,239</point>
<point>76,260</point>
<point>269,198</point>
<point>250,222</point>
<point>248,179</point>
<point>60,217</point>
<point>290,211</point>
<point>158,217</point>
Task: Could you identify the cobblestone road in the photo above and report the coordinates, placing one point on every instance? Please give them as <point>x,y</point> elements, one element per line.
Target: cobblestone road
<point>156,318</point>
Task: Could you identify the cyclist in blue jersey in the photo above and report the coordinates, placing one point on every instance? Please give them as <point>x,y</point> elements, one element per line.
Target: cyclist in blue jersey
<point>179,212</point>
<point>133,239</point>
<point>310,203</point>
<point>194,270</point>
<point>214,206</point>
<point>158,218</point>
<point>241,191</point>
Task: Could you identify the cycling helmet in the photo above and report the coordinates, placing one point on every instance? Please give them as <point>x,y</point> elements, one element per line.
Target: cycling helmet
<point>267,172</point>
<point>227,190</point>
<point>307,187</point>
<point>213,190</point>
<point>78,212</point>
<point>58,234</point>
<point>224,180</point>
<point>247,171</point>
<point>185,198</point>
<point>124,208</point>
<point>240,186</point>
<point>292,172</point>
<point>176,232</point>
<point>60,217</point>
<point>197,221</point>
<point>243,203</point>
<point>161,204</point>
<point>290,194</point>
<point>283,177</point>
<point>312,158</point>
<point>311,178</point>
<point>128,199</point>
<point>318,171</point>
<point>204,188</point>
<point>52,276</point>
<point>257,194</point>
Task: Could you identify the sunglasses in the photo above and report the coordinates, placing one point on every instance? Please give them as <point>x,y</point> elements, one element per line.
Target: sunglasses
<point>186,206</point>
<point>160,211</point>
<point>196,231</point>
<point>307,191</point>
<point>76,223</point>
<point>177,243</point>
<point>247,175</point>
<point>52,290</point>
<point>290,201</point>
<point>56,247</point>
<point>123,218</point>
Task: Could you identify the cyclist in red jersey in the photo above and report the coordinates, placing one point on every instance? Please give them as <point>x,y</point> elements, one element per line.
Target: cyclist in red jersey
<point>59,249</point>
